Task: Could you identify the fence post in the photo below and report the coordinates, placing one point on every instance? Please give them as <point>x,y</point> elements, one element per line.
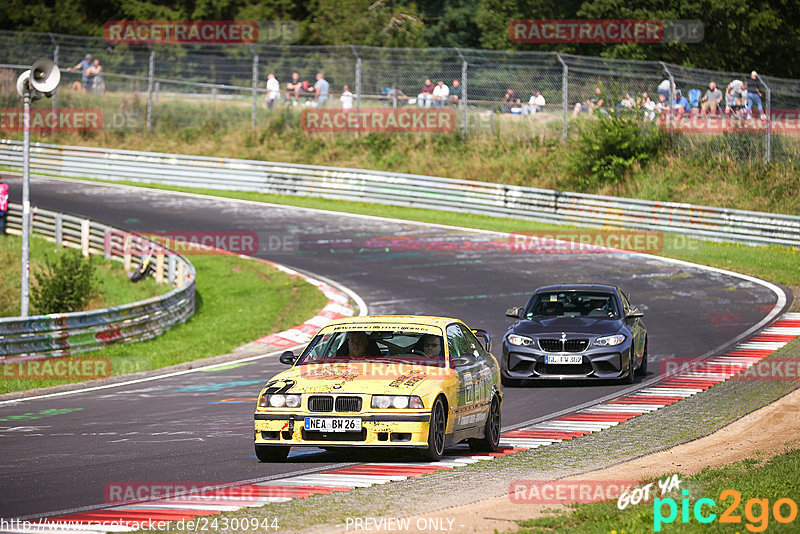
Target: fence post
<point>768,147</point>
<point>254,112</point>
<point>358,87</point>
<point>150,74</point>
<point>463,93</point>
<point>564,96</point>
<point>671,100</point>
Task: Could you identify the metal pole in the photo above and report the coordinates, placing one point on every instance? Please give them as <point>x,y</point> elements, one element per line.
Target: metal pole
<point>768,113</point>
<point>564,96</point>
<point>358,86</point>
<point>671,100</point>
<point>26,203</point>
<point>150,74</point>
<point>254,112</point>
<point>463,93</point>
<point>55,60</point>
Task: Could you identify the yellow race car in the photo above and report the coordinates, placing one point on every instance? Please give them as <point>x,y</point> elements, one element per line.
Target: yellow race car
<point>384,381</point>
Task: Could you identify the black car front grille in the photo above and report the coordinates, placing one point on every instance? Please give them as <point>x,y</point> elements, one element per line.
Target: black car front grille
<point>348,404</point>
<point>334,436</point>
<point>320,403</point>
<point>566,345</point>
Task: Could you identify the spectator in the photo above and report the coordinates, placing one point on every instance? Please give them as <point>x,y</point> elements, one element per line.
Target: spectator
<point>664,87</point>
<point>347,98</point>
<point>321,89</point>
<point>440,94</point>
<point>646,103</point>
<point>293,89</point>
<point>397,96</point>
<point>591,104</point>
<point>754,95</point>
<point>628,102</point>
<point>535,104</point>
<point>508,101</point>
<point>735,95</point>
<point>96,74</point>
<point>84,66</point>
<point>3,206</point>
<point>681,105</point>
<point>711,99</point>
<point>662,106</point>
<point>455,92</point>
<point>273,91</point>
<point>426,95</point>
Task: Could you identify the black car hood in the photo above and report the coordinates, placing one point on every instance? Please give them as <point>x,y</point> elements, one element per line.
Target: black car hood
<point>593,326</point>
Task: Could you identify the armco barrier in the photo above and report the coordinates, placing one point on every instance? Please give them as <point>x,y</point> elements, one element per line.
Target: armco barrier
<point>558,207</point>
<point>59,334</point>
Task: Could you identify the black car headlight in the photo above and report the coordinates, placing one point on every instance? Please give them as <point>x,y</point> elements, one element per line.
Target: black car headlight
<point>383,402</point>
<point>522,341</point>
<point>279,401</point>
<point>609,341</point>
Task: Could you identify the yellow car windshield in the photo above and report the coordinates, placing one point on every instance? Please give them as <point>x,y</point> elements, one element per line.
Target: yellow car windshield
<point>384,346</point>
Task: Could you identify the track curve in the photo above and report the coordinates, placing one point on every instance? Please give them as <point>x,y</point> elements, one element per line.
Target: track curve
<point>180,429</point>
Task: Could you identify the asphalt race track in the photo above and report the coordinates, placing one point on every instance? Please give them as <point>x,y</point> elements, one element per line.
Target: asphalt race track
<point>182,429</point>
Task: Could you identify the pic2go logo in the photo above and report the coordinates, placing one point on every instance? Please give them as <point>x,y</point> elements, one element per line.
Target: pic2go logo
<point>756,511</point>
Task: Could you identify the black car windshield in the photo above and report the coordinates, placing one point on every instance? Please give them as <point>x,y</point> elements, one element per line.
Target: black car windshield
<point>573,304</point>
<point>384,346</point>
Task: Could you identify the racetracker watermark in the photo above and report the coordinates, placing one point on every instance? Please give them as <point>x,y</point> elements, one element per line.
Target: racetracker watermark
<point>567,491</point>
<point>586,242</point>
<point>52,120</point>
<point>605,31</point>
<point>404,374</point>
<point>67,368</point>
<point>738,366</point>
<point>188,492</point>
<point>180,31</point>
<point>116,242</point>
<point>378,120</point>
<point>778,121</point>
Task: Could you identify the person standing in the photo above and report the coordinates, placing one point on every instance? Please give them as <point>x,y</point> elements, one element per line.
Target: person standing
<point>273,91</point>
<point>3,205</point>
<point>754,95</point>
<point>95,72</point>
<point>321,87</point>
<point>84,67</point>
<point>347,98</point>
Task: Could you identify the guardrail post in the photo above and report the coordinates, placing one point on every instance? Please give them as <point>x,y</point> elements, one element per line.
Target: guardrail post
<point>768,109</point>
<point>160,268</point>
<point>85,238</point>
<point>671,102</point>
<point>107,243</point>
<point>564,96</point>
<point>254,111</point>
<point>150,75</point>
<point>59,229</point>
<point>171,269</point>
<point>126,253</point>
<point>181,275</point>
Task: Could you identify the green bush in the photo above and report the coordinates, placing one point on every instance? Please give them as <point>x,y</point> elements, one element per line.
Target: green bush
<point>607,147</point>
<point>66,285</point>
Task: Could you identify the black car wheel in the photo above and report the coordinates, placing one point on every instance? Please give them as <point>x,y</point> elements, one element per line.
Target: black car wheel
<point>629,378</point>
<point>436,432</point>
<point>643,366</point>
<point>491,431</point>
<point>268,453</point>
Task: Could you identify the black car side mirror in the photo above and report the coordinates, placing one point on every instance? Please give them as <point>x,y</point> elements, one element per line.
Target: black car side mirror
<point>516,313</point>
<point>634,313</point>
<point>485,338</point>
<point>288,358</point>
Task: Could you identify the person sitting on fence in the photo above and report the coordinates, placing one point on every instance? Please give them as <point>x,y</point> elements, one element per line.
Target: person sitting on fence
<point>735,96</point>
<point>84,66</point>
<point>662,106</point>
<point>508,101</point>
<point>455,93</point>
<point>681,105</point>
<point>711,100</point>
<point>590,105</point>
<point>293,89</point>
<point>440,94</point>
<point>98,81</point>
<point>534,105</point>
<point>664,88</point>
<point>647,104</point>
<point>754,95</point>
<point>347,98</point>
<point>425,96</point>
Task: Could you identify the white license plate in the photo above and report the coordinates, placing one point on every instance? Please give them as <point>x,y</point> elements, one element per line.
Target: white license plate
<point>563,358</point>
<point>333,424</point>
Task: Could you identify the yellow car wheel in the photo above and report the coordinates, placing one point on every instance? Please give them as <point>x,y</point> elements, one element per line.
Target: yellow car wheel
<point>491,431</point>
<point>436,432</point>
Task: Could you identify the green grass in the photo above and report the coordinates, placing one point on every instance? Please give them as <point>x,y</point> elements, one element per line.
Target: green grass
<point>773,478</point>
<point>237,301</point>
<point>113,286</point>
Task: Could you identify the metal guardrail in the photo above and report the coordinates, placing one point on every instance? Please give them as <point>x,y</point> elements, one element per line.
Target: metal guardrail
<point>545,205</point>
<point>60,334</point>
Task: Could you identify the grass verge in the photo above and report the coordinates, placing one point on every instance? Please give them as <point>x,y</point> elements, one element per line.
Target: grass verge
<point>759,482</point>
<point>237,301</point>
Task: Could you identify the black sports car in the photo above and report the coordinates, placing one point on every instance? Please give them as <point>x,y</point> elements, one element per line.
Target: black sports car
<point>574,331</point>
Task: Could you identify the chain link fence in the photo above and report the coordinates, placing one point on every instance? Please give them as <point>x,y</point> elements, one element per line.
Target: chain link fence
<point>496,92</point>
